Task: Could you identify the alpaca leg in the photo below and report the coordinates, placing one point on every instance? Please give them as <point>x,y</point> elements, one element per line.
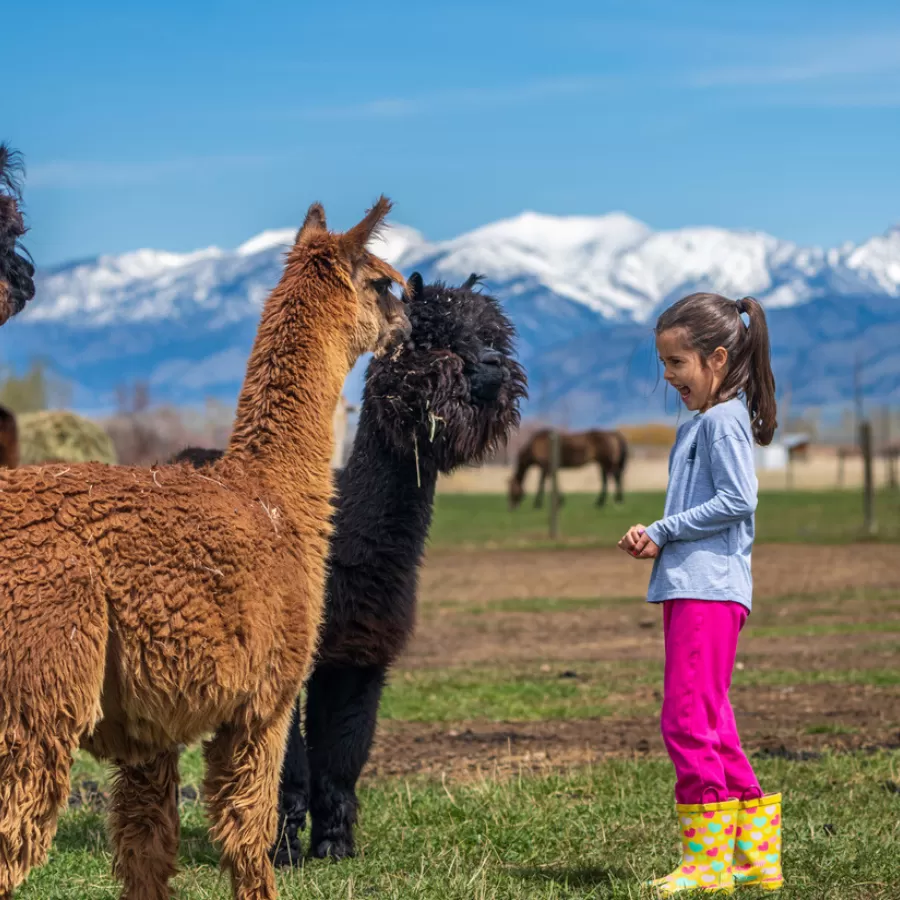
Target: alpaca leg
<point>341,712</point>
<point>144,826</point>
<point>243,764</point>
<point>293,800</point>
<point>620,494</point>
<point>51,675</point>
<point>604,489</point>
<point>34,786</point>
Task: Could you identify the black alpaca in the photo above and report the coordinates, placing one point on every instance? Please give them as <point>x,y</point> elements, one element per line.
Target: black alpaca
<point>447,399</point>
<point>16,269</point>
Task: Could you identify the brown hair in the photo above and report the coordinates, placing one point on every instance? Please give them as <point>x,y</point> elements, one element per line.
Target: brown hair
<point>712,321</point>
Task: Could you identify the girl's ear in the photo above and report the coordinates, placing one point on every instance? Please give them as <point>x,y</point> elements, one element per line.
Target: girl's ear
<point>718,359</point>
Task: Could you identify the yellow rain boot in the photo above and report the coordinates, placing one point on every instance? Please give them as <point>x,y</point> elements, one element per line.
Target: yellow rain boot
<point>757,853</point>
<point>707,840</point>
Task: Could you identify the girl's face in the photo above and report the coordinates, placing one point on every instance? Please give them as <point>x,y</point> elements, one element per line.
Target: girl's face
<point>697,381</point>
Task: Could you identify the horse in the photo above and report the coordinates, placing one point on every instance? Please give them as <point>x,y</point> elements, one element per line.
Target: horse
<point>608,449</point>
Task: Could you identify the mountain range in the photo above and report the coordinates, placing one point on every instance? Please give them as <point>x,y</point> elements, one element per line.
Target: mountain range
<point>583,292</point>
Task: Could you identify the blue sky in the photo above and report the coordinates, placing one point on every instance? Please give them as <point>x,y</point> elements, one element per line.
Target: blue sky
<point>188,124</point>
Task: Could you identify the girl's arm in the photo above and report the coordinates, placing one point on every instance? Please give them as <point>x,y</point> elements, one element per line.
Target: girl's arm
<point>734,480</point>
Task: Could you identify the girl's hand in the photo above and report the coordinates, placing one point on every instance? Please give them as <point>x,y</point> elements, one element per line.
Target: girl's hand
<point>645,548</point>
<point>636,543</point>
<point>630,539</point>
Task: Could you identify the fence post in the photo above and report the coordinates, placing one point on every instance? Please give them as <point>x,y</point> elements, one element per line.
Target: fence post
<point>554,484</point>
<point>865,445</point>
<point>890,453</point>
<point>840,472</point>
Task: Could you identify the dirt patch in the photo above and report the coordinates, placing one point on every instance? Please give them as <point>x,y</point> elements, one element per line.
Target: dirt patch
<point>778,569</point>
<point>459,626</point>
<point>793,723</point>
<point>824,621</point>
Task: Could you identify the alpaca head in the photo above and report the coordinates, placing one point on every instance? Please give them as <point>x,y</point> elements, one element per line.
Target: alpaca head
<point>379,317</point>
<point>451,393</point>
<point>16,269</point>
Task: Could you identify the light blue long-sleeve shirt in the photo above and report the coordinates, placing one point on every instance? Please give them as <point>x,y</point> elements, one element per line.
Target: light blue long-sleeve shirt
<point>706,533</point>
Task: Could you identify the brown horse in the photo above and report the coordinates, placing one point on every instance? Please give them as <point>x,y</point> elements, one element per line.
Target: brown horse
<point>9,440</point>
<point>606,448</point>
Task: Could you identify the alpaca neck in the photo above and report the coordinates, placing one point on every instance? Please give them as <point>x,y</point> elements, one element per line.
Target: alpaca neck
<point>385,501</point>
<point>284,424</point>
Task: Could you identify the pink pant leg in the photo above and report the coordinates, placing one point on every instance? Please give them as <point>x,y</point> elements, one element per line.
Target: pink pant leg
<point>697,722</point>
<point>740,778</point>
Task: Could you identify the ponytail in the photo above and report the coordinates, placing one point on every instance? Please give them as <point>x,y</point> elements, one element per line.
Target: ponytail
<point>759,387</point>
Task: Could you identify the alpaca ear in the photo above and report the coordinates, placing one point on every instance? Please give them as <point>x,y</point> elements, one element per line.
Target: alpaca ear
<point>414,287</point>
<point>471,281</point>
<point>358,236</point>
<point>314,221</point>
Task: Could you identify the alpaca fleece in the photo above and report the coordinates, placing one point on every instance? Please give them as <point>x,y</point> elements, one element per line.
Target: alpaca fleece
<point>141,609</point>
<point>448,397</point>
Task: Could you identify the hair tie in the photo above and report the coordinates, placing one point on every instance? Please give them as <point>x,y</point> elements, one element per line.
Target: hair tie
<point>741,306</point>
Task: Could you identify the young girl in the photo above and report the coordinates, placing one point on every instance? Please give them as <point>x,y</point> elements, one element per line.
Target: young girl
<point>731,833</point>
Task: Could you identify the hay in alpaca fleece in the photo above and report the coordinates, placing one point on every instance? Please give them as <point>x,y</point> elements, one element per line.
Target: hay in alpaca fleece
<point>62,436</point>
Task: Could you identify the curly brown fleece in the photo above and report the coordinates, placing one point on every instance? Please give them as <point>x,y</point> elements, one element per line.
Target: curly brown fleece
<point>140,609</point>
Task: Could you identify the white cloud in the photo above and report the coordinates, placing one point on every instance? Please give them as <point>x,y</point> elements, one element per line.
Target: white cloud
<point>93,173</point>
<point>466,98</point>
<point>811,59</point>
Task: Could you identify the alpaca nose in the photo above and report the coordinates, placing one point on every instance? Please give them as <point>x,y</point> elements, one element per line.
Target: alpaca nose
<point>404,327</point>
<point>489,376</point>
<point>491,358</point>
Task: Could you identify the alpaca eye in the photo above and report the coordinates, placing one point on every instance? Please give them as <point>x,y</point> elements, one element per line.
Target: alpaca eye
<point>382,285</point>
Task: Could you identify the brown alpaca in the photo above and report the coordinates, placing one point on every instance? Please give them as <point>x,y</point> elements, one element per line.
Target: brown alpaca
<point>9,440</point>
<point>608,449</point>
<point>143,608</point>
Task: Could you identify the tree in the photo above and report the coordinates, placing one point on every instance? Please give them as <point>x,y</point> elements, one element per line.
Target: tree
<point>34,391</point>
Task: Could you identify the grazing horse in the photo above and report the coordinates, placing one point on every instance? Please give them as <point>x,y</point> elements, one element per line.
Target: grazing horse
<point>606,448</point>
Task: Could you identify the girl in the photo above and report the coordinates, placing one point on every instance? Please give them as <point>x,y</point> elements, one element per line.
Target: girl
<point>701,574</point>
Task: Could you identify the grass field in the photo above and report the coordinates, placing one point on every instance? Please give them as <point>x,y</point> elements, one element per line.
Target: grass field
<point>595,832</point>
<point>483,521</point>
<point>518,753</point>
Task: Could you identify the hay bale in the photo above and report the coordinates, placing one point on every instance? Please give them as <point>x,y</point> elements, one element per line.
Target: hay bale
<point>61,436</point>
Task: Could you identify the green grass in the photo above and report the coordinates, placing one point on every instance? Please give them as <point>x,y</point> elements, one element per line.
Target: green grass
<point>832,728</point>
<point>499,695</point>
<point>528,605</point>
<point>592,834</point>
<point>877,601</point>
<point>483,521</point>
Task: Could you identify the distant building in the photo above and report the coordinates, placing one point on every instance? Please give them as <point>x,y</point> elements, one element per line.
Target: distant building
<point>778,453</point>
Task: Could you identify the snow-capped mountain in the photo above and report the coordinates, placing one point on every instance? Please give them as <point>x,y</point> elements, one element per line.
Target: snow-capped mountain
<point>583,292</point>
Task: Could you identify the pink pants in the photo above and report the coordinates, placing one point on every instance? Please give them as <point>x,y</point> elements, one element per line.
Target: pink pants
<point>698,724</point>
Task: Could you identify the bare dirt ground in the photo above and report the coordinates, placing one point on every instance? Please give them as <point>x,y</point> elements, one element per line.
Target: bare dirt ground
<point>801,624</point>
